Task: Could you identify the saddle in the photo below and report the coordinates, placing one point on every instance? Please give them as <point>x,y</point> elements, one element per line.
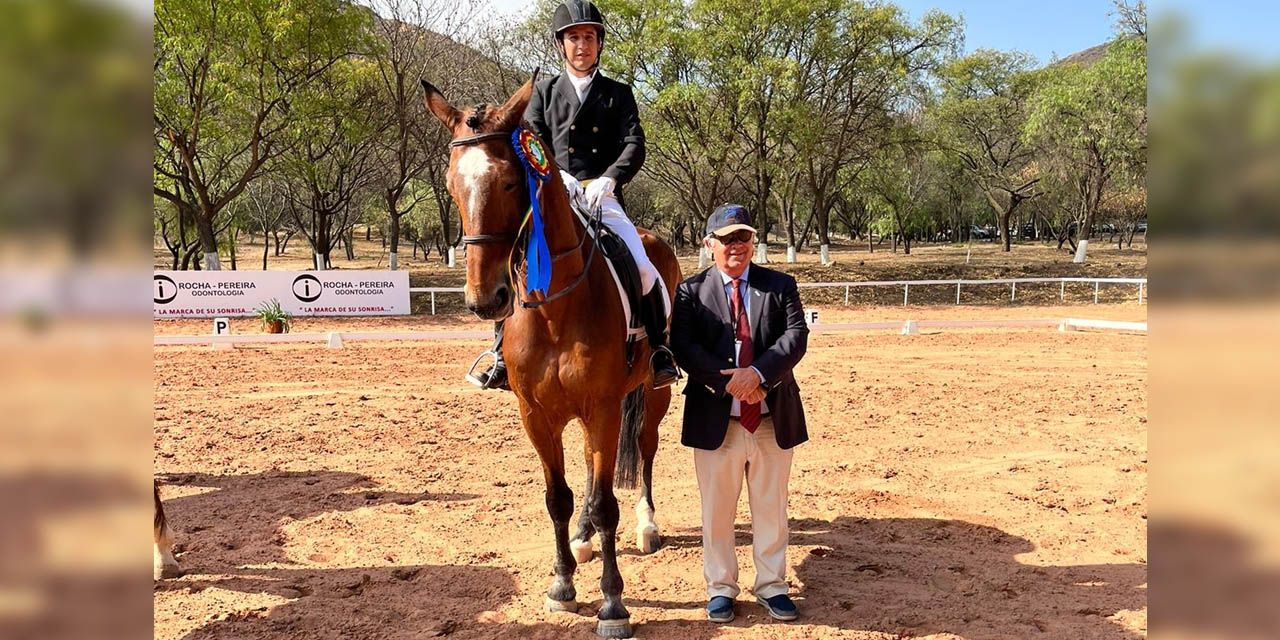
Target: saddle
<point>626,275</point>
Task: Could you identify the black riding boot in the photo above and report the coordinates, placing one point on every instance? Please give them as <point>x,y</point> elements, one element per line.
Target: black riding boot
<point>495,377</point>
<point>662,364</point>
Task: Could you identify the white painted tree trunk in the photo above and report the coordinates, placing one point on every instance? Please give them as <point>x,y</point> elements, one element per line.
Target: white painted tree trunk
<point>394,263</point>
<point>702,257</point>
<point>1081,250</point>
<point>791,254</point>
<point>453,257</point>
<point>211,262</point>
<point>826,254</point>
<point>762,253</point>
<point>319,261</point>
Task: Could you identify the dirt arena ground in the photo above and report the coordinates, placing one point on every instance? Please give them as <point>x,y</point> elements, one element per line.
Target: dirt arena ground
<point>978,484</point>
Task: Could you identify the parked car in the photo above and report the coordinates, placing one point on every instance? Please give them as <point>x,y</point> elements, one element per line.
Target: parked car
<point>978,233</point>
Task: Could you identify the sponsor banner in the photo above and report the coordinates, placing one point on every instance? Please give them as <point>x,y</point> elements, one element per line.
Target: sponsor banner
<point>208,294</point>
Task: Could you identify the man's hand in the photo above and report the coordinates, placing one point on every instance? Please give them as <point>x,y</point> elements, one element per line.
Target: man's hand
<point>597,190</point>
<point>754,396</point>
<point>571,185</point>
<point>741,382</point>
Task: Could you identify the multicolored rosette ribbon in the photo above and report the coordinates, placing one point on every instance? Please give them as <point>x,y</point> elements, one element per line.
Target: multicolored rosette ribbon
<point>538,170</point>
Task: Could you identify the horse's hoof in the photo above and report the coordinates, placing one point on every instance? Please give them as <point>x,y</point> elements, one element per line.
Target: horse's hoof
<point>620,628</point>
<point>561,606</point>
<point>581,550</point>
<point>647,539</point>
<point>165,572</point>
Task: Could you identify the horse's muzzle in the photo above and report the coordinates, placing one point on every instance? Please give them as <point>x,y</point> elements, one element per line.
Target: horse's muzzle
<point>495,306</point>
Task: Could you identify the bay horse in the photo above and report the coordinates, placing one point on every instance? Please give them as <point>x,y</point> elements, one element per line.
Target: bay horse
<point>565,355</point>
<point>164,564</point>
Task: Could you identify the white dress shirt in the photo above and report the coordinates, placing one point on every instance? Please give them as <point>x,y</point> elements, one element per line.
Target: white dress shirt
<point>581,85</point>
<point>736,409</point>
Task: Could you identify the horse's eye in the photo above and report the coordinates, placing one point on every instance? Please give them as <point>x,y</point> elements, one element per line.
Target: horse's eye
<point>509,186</point>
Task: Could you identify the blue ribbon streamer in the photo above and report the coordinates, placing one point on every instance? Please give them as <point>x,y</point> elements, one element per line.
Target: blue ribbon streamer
<point>537,253</point>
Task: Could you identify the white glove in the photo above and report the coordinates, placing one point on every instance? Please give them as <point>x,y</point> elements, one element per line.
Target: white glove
<point>597,190</point>
<point>571,185</point>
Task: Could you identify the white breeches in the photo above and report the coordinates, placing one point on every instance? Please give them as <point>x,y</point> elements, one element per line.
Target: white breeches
<point>616,219</point>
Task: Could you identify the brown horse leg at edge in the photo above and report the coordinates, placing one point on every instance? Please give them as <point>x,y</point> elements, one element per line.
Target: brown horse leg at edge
<point>565,359</point>
<point>164,564</point>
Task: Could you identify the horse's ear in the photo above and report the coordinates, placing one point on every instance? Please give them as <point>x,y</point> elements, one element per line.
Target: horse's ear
<point>440,108</point>
<point>513,110</point>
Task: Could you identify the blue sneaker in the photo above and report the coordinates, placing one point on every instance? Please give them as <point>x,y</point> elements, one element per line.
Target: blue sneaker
<point>720,609</point>
<point>780,607</point>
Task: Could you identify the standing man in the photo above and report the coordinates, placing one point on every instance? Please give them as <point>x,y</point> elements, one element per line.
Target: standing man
<point>738,330</point>
<point>592,125</point>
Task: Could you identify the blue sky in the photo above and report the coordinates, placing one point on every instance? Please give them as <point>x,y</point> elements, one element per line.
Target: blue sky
<point>1041,29</point>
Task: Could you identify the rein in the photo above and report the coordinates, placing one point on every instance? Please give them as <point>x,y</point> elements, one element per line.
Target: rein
<point>513,237</point>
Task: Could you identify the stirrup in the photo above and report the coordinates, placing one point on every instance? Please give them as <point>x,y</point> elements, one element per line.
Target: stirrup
<point>653,371</point>
<point>471,373</point>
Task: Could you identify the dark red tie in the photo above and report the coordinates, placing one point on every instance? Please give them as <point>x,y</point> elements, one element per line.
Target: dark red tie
<point>750,415</point>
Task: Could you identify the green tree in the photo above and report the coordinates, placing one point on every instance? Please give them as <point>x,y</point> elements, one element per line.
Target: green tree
<point>985,100</point>
<point>225,74</point>
<point>1090,121</point>
<point>329,165</point>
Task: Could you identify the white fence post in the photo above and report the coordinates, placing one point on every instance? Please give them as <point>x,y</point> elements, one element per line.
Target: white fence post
<point>846,295</point>
<point>1096,285</point>
<point>957,293</point>
<point>1141,285</point>
<point>1062,290</point>
<point>906,289</point>
<point>433,303</point>
<point>1013,293</point>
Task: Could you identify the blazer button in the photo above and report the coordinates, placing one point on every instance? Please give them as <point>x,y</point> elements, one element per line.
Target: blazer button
<point>593,150</point>
<point>573,127</point>
<point>570,149</point>
<point>595,129</point>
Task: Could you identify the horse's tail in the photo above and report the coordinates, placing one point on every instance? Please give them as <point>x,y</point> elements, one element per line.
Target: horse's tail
<point>627,470</point>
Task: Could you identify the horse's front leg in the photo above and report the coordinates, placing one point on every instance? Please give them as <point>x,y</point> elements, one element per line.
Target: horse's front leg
<point>546,438</point>
<point>614,621</point>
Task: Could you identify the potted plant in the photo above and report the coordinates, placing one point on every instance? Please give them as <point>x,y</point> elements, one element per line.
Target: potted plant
<point>274,319</point>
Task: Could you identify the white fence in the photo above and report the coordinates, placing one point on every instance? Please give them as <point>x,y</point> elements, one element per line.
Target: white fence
<point>958,284</point>
<point>336,339</point>
<point>907,284</point>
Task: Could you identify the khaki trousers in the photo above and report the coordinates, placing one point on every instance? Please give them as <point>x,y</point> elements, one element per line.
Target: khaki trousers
<point>720,472</point>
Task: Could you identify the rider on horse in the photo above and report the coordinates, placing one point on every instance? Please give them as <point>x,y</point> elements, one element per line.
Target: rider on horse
<point>592,124</point>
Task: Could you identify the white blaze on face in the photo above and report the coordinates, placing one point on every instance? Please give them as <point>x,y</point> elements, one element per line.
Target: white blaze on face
<point>473,168</point>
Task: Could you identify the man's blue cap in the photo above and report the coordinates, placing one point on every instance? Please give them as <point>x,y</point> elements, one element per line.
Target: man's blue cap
<point>728,218</point>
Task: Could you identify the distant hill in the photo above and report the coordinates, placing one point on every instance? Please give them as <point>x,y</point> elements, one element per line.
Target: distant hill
<point>1086,57</point>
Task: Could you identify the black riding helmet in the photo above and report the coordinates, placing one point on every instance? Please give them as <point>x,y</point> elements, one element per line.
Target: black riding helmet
<point>571,13</point>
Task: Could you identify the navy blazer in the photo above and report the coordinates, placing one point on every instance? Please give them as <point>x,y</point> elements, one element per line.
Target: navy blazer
<point>702,338</point>
<point>601,136</point>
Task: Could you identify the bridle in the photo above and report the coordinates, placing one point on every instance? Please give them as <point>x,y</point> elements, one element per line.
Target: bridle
<point>484,238</point>
<point>512,237</point>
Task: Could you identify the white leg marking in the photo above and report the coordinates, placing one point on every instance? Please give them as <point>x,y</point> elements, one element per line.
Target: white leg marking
<point>582,550</point>
<point>646,529</point>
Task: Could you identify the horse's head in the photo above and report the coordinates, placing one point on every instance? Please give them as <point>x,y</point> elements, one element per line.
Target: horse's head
<point>487,181</point>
